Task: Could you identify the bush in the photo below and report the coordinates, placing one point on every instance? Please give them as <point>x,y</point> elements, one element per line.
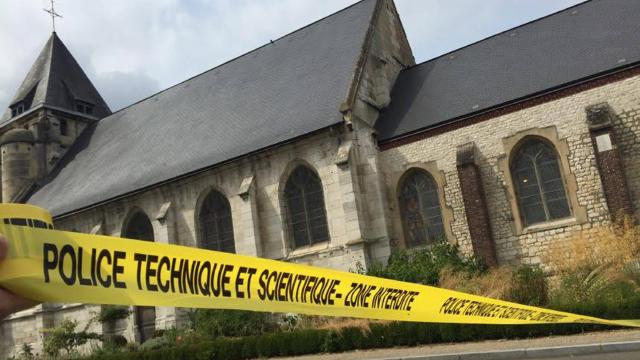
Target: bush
<point>613,300</point>
<point>301,342</point>
<point>156,343</point>
<point>115,340</point>
<point>26,352</point>
<point>215,323</point>
<point>112,313</point>
<point>424,266</point>
<point>65,337</point>
<point>529,286</point>
<point>600,277</point>
<point>331,342</point>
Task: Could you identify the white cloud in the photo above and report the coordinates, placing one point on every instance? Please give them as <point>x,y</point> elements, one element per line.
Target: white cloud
<point>131,49</point>
<point>124,88</point>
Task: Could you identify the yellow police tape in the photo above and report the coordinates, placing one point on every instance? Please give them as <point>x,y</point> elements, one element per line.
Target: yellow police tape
<point>59,266</point>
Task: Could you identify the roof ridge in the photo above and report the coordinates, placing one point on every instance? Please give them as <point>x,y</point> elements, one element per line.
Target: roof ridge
<point>499,33</point>
<point>238,57</point>
<point>46,69</point>
<point>52,57</point>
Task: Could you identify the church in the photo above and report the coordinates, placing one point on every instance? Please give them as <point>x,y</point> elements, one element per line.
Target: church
<point>331,147</point>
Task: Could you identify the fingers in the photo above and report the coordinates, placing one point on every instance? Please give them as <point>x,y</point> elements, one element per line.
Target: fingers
<point>10,303</point>
<point>4,246</point>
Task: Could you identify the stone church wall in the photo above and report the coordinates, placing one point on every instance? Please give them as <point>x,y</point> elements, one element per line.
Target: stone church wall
<point>26,327</point>
<point>563,122</point>
<point>253,187</point>
<point>387,53</point>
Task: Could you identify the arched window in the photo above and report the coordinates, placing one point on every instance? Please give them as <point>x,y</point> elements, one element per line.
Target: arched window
<point>420,209</point>
<point>306,213</point>
<point>538,182</point>
<point>215,224</point>
<point>139,227</point>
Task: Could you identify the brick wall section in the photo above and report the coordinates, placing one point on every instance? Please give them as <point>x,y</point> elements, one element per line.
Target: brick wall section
<point>600,119</point>
<point>626,130</point>
<point>477,214</point>
<point>614,182</point>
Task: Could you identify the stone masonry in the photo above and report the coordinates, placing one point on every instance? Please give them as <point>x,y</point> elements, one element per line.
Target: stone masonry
<point>561,119</point>
<point>360,182</point>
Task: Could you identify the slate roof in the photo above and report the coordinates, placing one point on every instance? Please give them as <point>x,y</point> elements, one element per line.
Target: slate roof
<point>56,80</point>
<point>283,90</point>
<point>590,38</point>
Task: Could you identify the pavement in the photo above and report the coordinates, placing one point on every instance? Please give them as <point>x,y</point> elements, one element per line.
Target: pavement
<point>610,356</point>
<point>594,345</point>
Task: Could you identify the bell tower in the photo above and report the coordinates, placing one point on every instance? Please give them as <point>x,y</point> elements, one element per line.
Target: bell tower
<point>54,104</point>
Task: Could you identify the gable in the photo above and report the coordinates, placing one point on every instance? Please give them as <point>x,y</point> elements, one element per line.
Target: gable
<point>283,90</point>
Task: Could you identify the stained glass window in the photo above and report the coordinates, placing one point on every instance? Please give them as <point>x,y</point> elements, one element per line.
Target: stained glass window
<point>538,182</point>
<point>306,213</point>
<point>215,224</point>
<point>420,209</point>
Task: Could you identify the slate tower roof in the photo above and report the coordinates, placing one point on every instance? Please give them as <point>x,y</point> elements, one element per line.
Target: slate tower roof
<point>290,87</point>
<point>56,81</point>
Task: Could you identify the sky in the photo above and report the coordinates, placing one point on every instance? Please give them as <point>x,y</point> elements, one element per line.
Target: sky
<point>133,49</point>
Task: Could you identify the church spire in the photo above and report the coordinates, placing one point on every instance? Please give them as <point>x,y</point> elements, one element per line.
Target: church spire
<point>53,107</point>
<point>56,81</point>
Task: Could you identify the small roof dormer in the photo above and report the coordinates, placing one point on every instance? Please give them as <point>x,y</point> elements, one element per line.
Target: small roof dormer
<point>56,81</point>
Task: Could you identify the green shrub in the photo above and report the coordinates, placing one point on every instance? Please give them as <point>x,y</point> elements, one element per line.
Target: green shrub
<point>250,348</point>
<point>311,341</point>
<point>352,338</point>
<point>111,344</point>
<point>65,337</point>
<point>307,341</point>
<point>423,266</point>
<point>615,300</point>
<point>115,340</point>
<point>215,323</point>
<point>112,313</point>
<point>529,286</point>
<point>331,342</point>
<point>26,352</point>
<point>156,343</point>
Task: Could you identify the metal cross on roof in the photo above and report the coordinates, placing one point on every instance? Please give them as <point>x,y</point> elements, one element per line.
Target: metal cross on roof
<point>53,14</point>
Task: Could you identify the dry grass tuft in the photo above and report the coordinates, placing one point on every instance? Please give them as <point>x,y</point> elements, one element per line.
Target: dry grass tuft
<point>495,283</point>
<point>596,262</point>
<point>332,323</point>
<point>606,251</point>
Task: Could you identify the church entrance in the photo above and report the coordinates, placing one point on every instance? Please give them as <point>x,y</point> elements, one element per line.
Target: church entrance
<point>139,227</point>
